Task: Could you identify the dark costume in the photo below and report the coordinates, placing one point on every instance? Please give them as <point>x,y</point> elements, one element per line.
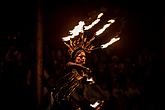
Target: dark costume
<point>72,93</point>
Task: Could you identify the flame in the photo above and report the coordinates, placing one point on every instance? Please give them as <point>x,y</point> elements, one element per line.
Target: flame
<point>80,29</point>
<point>77,29</point>
<point>99,16</point>
<point>90,26</point>
<point>110,42</point>
<point>95,104</point>
<point>105,27</point>
<point>90,79</point>
<point>94,23</point>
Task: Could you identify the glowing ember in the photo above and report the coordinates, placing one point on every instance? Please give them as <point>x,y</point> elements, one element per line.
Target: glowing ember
<point>95,104</point>
<point>89,79</point>
<point>111,21</point>
<point>99,16</point>
<point>77,29</point>
<point>93,23</point>
<point>105,27</point>
<point>110,42</point>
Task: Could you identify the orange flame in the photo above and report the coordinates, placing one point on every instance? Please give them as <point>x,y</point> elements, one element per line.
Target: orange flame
<point>99,16</point>
<point>105,27</point>
<point>111,21</point>
<point>80,28</point>
<point>90,79</point>
<point>95,104</point>
<point>77,29</point>
<point>110,42</point>
<point>94,23</point>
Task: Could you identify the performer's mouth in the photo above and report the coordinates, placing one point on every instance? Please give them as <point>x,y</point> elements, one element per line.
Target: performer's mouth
<point>82,61</point>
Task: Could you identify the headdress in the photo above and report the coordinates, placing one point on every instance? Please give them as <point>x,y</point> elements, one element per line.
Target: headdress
<point>78,40</point>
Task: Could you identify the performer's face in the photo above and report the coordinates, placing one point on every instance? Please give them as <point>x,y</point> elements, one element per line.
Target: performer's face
<point>81,58</point>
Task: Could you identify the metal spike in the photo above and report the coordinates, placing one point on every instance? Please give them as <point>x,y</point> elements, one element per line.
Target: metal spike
<point>74,43</point>
<point>88,43</point>
<point>85,39</point>
<point>71,43</point>
<point>68,45</point>
<point>91,47</point>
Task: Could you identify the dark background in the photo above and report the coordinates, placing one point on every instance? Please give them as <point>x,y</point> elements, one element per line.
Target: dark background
<point>143,30</point>
<point>144,20</point>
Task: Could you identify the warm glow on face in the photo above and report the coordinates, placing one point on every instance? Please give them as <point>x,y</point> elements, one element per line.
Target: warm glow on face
<point>81,58</point>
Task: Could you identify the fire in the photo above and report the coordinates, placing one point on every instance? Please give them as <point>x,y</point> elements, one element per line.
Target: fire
<point>105,27</point>
<point>90,26</point>
<point>99,16</point>
<point>89,79</point>
<point>110,42</point>
<point>77,29</point>
<point>95,104</point>
<point>81,27</point>
<point>111,21</point>
<point>94,23</point>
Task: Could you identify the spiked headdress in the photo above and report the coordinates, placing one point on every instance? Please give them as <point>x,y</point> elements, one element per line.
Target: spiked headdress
<point>78,41</point>
<point>79,44</point>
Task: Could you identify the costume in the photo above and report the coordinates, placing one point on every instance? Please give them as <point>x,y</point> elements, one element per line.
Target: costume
<point>70,89</point>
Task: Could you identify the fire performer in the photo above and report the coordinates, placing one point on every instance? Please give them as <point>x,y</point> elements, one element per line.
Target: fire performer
<point>69,93</point>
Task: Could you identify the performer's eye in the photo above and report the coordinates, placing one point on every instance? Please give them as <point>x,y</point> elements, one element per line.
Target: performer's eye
<point>82,56</point>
